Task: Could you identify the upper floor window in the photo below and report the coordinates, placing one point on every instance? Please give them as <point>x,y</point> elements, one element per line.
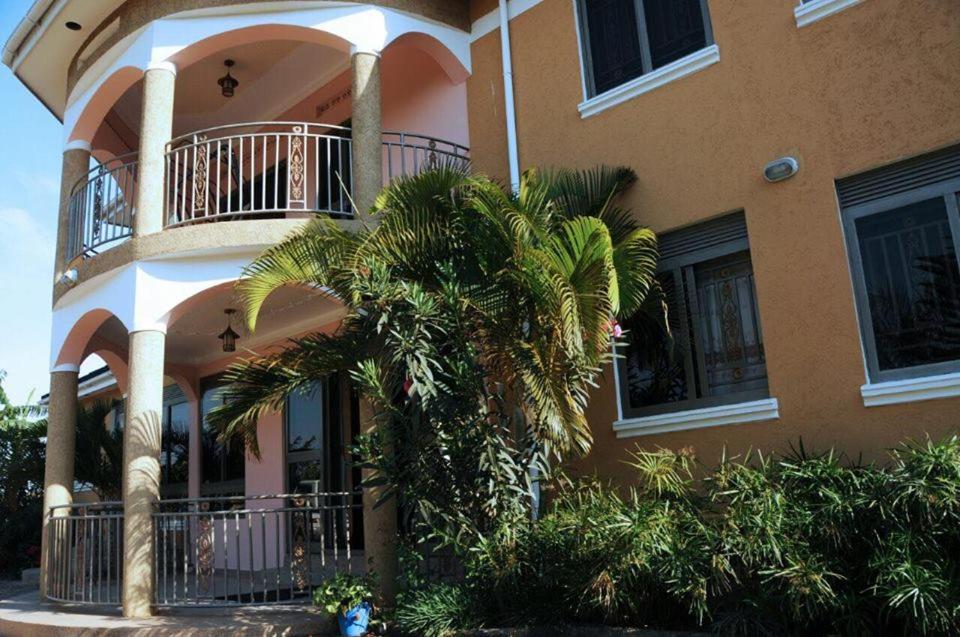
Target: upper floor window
<point>624,39</point>
<point>903,232</point>
<point>715,355</point>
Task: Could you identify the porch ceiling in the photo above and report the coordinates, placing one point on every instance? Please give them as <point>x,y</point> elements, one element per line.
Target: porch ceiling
<point>273,75</point>
<point>192,339</point>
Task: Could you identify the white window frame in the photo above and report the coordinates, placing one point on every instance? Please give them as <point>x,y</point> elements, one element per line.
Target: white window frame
<point>909,384</point>
<point>734,414</point>
<point>809,12</point>
<point>687,65</point>
<point>695,416</point>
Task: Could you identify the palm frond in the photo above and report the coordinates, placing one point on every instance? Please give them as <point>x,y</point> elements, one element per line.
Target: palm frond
<point>311,256</point>
<point>261,384</point>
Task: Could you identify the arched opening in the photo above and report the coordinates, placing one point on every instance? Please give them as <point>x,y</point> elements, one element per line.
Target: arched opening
<point>194,346</point>
<point>280,143</point>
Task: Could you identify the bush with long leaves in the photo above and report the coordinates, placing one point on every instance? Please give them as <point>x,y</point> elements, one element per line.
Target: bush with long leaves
<point>476,322</point>
<point>800,544</point>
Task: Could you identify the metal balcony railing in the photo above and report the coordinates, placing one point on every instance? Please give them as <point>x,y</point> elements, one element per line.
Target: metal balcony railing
<point>408,154</point>
<point>101,206</point>
<point>244,171</point>
<point>275,168</point>
<point>261,168</point>
<point>222,551</point>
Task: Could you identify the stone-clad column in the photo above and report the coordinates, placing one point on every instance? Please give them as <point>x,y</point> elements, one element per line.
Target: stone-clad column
<point>367,129</point>
<point>76,166</point>
<point>379,525</point>
<point>61,442</point>
<point>141,468</point>
<point>156,129</point>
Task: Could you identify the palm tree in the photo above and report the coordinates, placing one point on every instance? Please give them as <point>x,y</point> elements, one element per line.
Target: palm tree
<point>22,429</point>
<point>99,450</point>
<point>477,321</point>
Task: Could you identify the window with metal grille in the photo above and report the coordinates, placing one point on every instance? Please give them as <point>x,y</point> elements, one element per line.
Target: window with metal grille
<point>624,39</point>
<point>903,229</point>
<point>715,351</point>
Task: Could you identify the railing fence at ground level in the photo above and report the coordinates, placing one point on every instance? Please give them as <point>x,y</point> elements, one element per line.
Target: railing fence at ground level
<point>85,553</point>
<point>220,551</point>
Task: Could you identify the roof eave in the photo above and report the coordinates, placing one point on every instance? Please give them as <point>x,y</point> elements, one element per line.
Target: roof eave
<point>24,30</point>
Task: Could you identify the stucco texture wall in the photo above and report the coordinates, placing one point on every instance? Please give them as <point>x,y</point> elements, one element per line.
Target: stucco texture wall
<point>136,14</point>
<point>856,90</point>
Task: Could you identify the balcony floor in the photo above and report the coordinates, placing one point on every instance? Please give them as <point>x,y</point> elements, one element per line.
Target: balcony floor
<point>25,615</point>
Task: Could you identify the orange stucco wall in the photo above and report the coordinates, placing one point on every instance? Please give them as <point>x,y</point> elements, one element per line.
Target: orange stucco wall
<point>871,84</point>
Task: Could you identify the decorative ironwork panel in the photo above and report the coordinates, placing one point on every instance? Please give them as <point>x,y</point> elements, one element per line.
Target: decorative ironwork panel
<point>80,554</point>
<point>731,340</point>
<point>297,167</point>
<point>200,178</point>
<point>298,557</point>
<point>98,204</point>
<point>204,550</point>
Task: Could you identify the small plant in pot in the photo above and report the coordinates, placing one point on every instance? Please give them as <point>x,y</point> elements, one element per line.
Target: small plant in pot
<point>349,598</point>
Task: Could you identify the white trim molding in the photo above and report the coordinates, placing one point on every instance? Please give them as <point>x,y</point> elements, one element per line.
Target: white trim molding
<point>369,50</point>
<point>162,65</point>
<point>809,12</point>
<point>911,390</point>
<point>490,22</point>
<point>96,384</point>
<point>77,144</point>
<point>736,414</point>
<point>655,79</point>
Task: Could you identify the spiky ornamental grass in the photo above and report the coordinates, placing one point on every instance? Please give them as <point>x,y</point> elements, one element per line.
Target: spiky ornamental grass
<point>477,320</point>
<point>788,545</point>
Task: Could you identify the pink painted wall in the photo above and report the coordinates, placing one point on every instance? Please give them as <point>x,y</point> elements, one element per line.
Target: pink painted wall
<point>265,476</point>
<point>417,97</point>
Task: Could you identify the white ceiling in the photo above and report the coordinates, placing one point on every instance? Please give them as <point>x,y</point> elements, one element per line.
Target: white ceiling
<point>192,340</point>
<point>286,71</point>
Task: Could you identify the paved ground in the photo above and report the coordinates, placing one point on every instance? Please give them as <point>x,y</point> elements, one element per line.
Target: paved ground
<point>25,616</point>
<point>11,588</point>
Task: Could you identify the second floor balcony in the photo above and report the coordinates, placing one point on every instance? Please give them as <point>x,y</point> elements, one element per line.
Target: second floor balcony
<point>253,170</point>
<point>280,115</point>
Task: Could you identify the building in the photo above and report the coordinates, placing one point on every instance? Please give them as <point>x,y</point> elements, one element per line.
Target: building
<point>821,304</point>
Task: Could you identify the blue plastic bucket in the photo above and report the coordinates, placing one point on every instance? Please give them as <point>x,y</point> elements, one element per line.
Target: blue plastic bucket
<point>354,622</point>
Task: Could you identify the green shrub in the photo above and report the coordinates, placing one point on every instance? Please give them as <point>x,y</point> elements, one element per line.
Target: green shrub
<point>343,591</point>
<point>437,610</point>
<point>790,545</point>
<point>598,556</point>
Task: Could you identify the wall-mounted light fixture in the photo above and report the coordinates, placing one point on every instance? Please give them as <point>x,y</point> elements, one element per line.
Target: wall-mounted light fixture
<point>228,336</point>
<point>70,277</point>
<point>780,169</point>
<point>228,83</point>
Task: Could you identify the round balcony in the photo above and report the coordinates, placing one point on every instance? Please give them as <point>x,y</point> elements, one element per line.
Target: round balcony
<point>249,171</point>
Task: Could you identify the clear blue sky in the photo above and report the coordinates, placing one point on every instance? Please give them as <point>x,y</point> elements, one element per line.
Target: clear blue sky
<point>31,140</point>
